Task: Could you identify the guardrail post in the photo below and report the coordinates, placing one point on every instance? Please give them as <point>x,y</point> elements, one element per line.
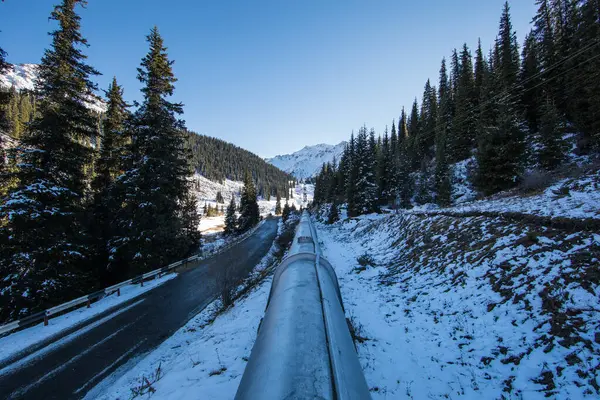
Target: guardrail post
<point>142,281</point>
<point>46,320</point>
<point>89,304</point>
<point>119,292</point>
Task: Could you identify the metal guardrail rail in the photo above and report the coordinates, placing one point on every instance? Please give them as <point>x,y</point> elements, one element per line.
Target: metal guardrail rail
<point>89,298</point>
<point>304,348</point>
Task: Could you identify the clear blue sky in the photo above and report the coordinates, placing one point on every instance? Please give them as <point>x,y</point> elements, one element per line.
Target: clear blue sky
<point>274,76</point>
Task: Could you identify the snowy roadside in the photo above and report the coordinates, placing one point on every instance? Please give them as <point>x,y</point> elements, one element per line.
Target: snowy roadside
<point>469,307</point>
<point>21,340</point>
<point>205,358</point>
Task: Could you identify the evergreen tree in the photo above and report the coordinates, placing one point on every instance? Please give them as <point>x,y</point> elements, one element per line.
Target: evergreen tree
<point>552,147</point>
<point>149,229</point>
<point>230,218</point>
<point>385,168</point>
<point>109,165</point>
<point>352,177</point>
<point>464,126</point>
<point>334,214</point>
<point>43,231</point>
<point>191,220</point>
<point>443,126</point>
<point>413,135</point>
<point>508,52</point>
<point>499,155</point>
<point>480,72</point>
<point>278,205</point>
<point>365,194</point>
<point>249,213</point>
<point>530,82</point>
<point>286,212</point>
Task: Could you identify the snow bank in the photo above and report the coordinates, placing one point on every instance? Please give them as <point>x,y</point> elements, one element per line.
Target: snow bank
<point>470,307</point>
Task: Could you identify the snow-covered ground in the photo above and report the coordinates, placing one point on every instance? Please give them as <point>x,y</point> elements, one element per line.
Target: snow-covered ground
<point>569,198</point>
<point>18,341</point>
<point>205,359</point>
<point>470,307</point>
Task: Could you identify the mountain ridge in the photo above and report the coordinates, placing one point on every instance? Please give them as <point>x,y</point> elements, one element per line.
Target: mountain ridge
<point>306,162</point>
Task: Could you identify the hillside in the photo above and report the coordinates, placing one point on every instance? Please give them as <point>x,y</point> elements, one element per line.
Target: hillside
<point>218,161</point>
<point>493,299</point>
<point>22,77</point>
<point>307,162</point>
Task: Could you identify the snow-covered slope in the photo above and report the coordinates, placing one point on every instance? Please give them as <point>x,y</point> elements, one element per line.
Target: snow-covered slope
<point>307,162</point>
<point>23,76</point>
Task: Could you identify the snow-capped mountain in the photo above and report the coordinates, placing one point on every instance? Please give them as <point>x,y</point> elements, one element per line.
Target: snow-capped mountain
<point>307,162</point>
<point>23,76</point>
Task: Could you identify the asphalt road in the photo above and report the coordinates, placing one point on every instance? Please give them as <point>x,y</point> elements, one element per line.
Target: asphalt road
<point>70,367</point>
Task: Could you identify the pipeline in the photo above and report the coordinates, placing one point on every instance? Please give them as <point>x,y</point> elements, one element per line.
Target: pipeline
<point>304,349</point>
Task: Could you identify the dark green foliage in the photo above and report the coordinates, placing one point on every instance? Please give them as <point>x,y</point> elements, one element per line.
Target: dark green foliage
<point>464,103</point>
<point>442,181</point>
<point>249,214</point>
<point>107,198</point>
<point>334,214</point>
<point>552,146</point>
<point>42,233</point>
<point>218,160</point>
<point>220,198</point>
<point>230,218</point>
<point>500,153</point>
<point>286,212</point>
<point>149,226</point>
<point>531,81</point>
<point>278,205</point>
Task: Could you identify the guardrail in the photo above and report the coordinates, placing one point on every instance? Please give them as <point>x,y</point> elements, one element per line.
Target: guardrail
<point>304,348</point>
<point>88,299</point>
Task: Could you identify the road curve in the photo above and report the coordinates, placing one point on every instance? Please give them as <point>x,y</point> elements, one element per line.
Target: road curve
<point>72,366</point>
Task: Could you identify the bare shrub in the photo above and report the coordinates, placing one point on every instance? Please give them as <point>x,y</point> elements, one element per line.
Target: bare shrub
<point>226,284</point>
<point>535,181</point>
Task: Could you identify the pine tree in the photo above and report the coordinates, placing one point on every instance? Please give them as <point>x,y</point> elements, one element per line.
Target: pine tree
<point>191,220</point>
<point>413,135</point>
<point>149,229</point>
<point>481,70</point>
<point>499,155</point>
<point>463,129</point>
<point>352,177</point>
<point>249,213</point>
<point>508,52</point>
<point>278,205</point>
<point>552,148</point>
<point>443,126</point>
<point>43,232</point>
<point>385,168</point>
<point>334,214</point>
<point>109,165</point>
<point>502,145</point>
<point>286,212</point>
<point>531,84</point>
<point>365,194</point>
<point>230,218</point>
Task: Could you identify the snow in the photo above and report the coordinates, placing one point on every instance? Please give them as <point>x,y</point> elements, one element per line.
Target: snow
<point>21,340</point>
<point>204,359</point>
<point>307,162</point>
<point>577,198</point>
<point>469,307</point>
